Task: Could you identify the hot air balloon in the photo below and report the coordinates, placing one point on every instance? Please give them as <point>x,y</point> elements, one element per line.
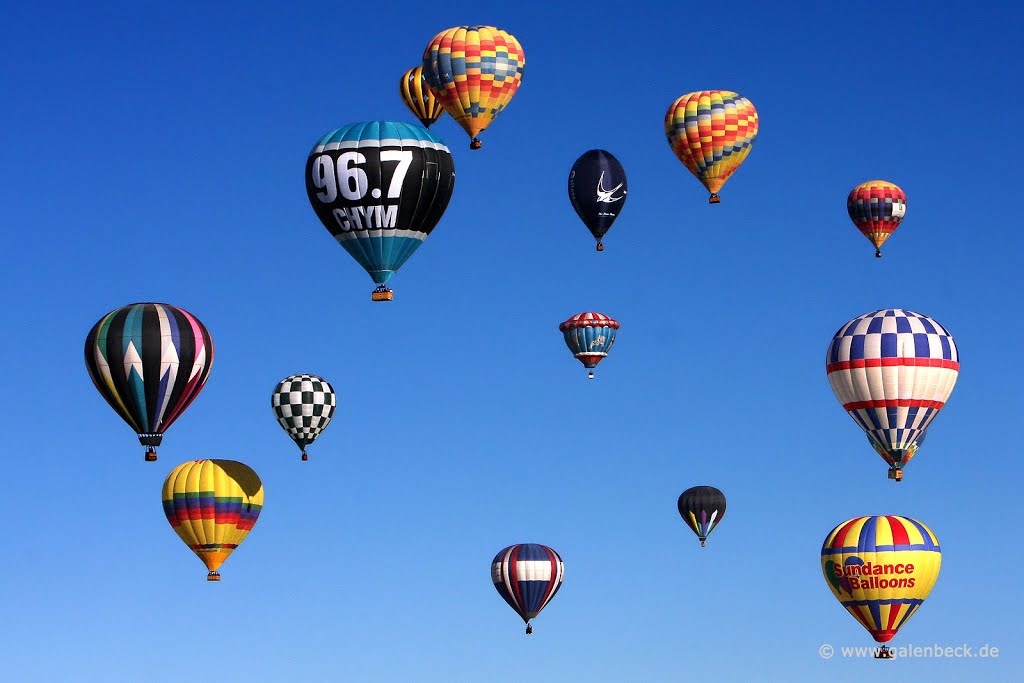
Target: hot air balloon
<point>590,337</point>
<point>597,190</point>
<point>212,505</point>
<point>881,568</point>
<point>527,576</point>
<point>417,96</point>
<point>893,370</point>
<point>474,71</point>
<point>877,207</point>
<point>711,131</point>
<point>380,188</point>
<point>702,508</point>
<point>149,361</point>
<point>304,405</point>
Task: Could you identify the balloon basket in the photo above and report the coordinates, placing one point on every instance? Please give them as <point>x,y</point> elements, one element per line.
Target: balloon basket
<point>382,293</point>
<point>884,653</point>
<point>304,456</point>
<point>714,199</point>
<point>896,475</point>
<point>878,253</point>
<point>213,576</point>
<point>600,247</point>
<point>475,144</point>
<point>150,455</point>
<point>529,629</point>
<point>590,375</point>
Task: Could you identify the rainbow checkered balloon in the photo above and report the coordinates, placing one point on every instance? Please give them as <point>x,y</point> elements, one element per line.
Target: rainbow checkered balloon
<point>711,132</point>
<point>474,71</point>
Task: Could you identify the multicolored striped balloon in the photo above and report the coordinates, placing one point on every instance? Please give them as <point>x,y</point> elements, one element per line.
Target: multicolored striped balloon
<point>380,188</point>
<point>474,71</point>
<point>702,509</point>
<point>881,569</point>
<point>590,337</point>
<point>877,208</point>
<point>212,505</point>
<point>893,370</point>
<point>149,361</point>
<point>527,576</point>
<point>417,96</point>
<point>711,132</point>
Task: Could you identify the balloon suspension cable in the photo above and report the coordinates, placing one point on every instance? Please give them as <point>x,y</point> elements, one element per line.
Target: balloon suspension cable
<point>475,144</point>
<point>529,628</point>
<point>304,456</point>
<point>878,253</point>
<point>382,293</point>
<point>150,454</point>
<point>714,198</point>
<point>213,576</point>
<point>884,653</point>
<point>600,247</point>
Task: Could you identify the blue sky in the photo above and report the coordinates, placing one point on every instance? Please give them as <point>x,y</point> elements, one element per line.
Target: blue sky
<point>155,152</point>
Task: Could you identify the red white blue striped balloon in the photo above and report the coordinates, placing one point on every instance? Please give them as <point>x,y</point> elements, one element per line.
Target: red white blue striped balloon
<point>527,576</point>
<point>893,370</point>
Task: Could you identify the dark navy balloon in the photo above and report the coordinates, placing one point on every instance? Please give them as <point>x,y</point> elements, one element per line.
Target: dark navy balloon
<point>597,190</point>
<point>702,508</point>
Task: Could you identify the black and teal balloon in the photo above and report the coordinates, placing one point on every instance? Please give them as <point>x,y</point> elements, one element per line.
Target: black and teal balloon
<point>380,188</point>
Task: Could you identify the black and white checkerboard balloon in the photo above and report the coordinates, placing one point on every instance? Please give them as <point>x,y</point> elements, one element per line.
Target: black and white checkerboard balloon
<point>304,405</point>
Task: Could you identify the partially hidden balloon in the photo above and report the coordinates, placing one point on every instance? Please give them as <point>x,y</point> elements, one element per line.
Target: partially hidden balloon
<point>597,190</point>
<point>527,576</point>
<point>418,97</point>
<point>380,188</point>
<point>304,405</point>
<point>881,569</point>
<point>149,361</point>
<point>590,337</point>
<point>893,370</point>
<point>877,208</point>
<point>711,132</point>
<point>212,505</point>
<point>702,509</point>
<point>474,71</point>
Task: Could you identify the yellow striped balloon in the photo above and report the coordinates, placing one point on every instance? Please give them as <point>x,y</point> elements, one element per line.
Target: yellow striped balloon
<point>417,96</point>
<point>212,505</point>
<point>474,71</point>
<point>711,132</point>
<point>881,568</point>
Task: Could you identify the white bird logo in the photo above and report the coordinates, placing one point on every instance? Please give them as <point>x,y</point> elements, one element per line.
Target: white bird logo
<point>605,196</point>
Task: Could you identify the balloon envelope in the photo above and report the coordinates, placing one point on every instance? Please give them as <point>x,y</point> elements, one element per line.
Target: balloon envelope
<point>527,576</point>
<point>474,71</point>
<point>304,405</point>
<point>877,208</point>
<point>212,505</point>
<point>881,569</point>
<point>702,508</point>
<point>597,190</point>
<point>149,361</point>
<point>380,188</point>
<point>711,132</point>
<point>590,336</point>
<point>417,96</point>
<point>893,370</point>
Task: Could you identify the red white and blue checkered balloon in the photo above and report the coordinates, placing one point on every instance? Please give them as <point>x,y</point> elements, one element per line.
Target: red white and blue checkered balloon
<point>527,576</point>
<point>893,370</point>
